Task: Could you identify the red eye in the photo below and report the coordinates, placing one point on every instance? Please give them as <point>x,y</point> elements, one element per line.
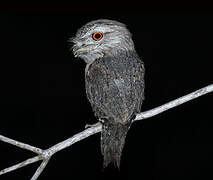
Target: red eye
<point>97,36</point>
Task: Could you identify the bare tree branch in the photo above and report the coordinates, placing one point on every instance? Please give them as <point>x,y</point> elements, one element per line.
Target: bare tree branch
<point>45,155</point>
<point>174,103</point>
<point>82,135</point>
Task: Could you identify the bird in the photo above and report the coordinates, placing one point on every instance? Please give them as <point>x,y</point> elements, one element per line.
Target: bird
<point>114,81</point>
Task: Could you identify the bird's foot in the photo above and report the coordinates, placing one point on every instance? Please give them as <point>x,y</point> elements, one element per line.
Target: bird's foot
<point>92,125</point>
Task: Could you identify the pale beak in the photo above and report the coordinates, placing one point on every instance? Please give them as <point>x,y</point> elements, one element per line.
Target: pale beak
<point>77,50</point>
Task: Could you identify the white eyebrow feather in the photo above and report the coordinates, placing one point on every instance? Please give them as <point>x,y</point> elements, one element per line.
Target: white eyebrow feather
<point>98,29</point>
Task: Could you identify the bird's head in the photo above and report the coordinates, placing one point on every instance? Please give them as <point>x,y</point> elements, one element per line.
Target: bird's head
<point>100,38</point>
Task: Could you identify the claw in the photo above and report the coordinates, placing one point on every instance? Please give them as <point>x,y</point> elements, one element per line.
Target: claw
<point>92,125</point>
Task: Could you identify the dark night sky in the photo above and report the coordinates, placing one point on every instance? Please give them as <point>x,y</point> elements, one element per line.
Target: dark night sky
<point>43,96</point>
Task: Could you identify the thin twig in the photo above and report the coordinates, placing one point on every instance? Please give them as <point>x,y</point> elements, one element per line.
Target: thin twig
<point>47,154</point>
<point>40,169</point>
<point>21,145</point>
<point>19,165</point>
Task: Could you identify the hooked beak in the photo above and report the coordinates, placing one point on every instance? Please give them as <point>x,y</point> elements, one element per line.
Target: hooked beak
<point>81,49</point>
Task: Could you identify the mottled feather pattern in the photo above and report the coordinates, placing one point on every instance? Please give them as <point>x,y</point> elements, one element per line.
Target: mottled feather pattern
<point>115,87</point>
<point>116,83</point>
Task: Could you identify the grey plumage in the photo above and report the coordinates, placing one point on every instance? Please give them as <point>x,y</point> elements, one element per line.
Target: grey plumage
<point>114,78</point>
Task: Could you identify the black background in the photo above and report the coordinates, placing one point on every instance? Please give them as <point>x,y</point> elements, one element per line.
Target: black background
<point>43,96</point>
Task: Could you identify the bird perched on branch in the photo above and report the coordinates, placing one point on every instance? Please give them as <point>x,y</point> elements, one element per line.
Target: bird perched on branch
<point>114,78</point>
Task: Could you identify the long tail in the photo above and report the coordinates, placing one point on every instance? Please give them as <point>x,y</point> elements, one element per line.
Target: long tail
<point>112,142</point>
